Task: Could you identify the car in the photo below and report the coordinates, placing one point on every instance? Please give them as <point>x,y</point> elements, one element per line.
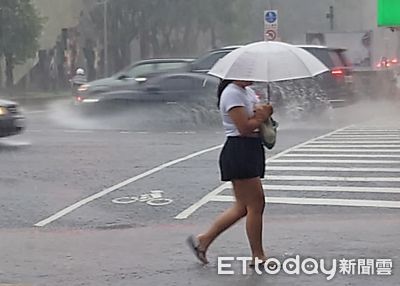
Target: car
<point>12,121</point>
<point>205,62</point>
<point>338,81</point>
<point>337,84</point>
<point>154,80</point>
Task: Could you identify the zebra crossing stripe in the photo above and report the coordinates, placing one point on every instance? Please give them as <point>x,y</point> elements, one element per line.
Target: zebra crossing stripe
<point>331,178</point>
<point>336,161</point>
<point>343,155</point>
<point>317,201</point>
<point>348,189</point>
<point>338,150</point>
<point>355,145</point>
<point>329,169</point>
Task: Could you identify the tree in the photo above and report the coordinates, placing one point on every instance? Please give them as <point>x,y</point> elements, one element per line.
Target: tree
<point>20,28</point>
<point>171,27</point>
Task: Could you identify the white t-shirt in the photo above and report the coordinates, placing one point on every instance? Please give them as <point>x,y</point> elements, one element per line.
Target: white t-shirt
<point>234,96</point>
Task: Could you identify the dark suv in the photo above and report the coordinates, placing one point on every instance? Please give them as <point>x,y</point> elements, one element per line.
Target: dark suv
<point>205,62</point>
<point>338,82</point>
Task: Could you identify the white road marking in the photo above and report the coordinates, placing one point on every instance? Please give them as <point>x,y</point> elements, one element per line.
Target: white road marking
<point>356,141</point>
<point>187,212</point>
<point>78,131</point>
<point>355,145</point>
<point>338,150</point>
<point>35,111</point>
<point>329,169</point>
<point>191,209</point>
<point>337,161</point>
<point>372,128</point>
<point>337,136</point>
<point>334,179</point>
<point>331,189</point>
<point>369,133</point>
<point>343,155</point>
<point>91,198</point>
<point>181,132</point>
<point>321,202</point>
<point>349,136</point>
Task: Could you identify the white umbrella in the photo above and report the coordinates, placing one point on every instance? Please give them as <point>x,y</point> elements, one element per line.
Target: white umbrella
<point>268,62</point>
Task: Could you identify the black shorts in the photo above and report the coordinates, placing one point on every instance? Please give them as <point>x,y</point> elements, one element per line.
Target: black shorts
<point>242,158</point>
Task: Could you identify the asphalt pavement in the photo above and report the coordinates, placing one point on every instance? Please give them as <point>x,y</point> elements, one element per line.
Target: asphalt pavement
<point>110,199</point>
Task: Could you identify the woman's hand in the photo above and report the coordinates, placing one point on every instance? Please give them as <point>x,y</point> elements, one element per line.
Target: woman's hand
<point>263,111</point>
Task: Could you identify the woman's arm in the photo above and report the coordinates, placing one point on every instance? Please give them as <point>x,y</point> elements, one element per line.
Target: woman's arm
<point>247,125</point>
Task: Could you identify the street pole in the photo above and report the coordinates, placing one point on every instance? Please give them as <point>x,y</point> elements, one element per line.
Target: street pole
<point>105,38</point>
<point>331,16</point>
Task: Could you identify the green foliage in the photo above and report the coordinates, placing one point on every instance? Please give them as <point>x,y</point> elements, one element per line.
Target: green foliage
<point>174,27</point>
<point>20,27</point>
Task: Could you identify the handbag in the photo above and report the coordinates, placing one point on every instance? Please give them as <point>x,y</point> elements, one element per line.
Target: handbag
<point>268,130</point>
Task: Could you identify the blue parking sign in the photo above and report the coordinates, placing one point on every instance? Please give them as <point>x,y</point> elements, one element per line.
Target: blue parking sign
<point>271,16</point>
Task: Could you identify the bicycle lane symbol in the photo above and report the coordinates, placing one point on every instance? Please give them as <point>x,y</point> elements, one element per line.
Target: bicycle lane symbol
<point>154,198</point>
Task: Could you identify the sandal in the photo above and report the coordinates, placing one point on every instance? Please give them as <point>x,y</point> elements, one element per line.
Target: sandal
<point>194,246</point>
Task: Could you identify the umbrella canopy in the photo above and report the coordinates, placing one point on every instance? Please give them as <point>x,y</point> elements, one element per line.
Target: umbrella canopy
<point>268,62</point>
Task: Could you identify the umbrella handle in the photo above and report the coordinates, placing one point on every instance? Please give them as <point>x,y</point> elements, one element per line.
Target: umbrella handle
<point>268,93</point>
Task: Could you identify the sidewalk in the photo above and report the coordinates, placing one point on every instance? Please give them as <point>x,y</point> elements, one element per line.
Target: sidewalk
<point>158,255</point>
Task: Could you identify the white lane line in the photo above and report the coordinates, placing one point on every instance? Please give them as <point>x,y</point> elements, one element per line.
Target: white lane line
<point>187,212</point>
<point>343,155</point>
<point>338,150</point>
<point>321,202</point>
<point>355,145</point>
<point>371,133</point>
<point>334,179</point>
<point>35,111</point>
<point>75,206</point>
<point>372,130</point>
<point>191,209</point>
<point>78,131</point>
<point>338,161</point>
<point>365,136</point>
<point>181,132</point>
<point>329,169</point>
<point>331,189</point>
<point>357,141</point>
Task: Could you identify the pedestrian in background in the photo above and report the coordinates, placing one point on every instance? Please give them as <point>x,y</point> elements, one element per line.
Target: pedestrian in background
<point>241,161</point>
<point>78,79</point>
<point>53,72</point>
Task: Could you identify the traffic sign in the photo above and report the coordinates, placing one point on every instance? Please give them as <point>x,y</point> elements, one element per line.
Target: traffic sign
<point>270,35</point>
<point>271,16</point>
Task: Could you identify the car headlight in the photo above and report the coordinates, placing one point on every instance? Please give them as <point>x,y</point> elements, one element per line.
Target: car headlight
<point>3,111</point>
<point>141,79</point>
<point>83,87</point>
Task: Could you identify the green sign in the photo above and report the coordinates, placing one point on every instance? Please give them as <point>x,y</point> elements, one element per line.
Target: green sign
<point>388,13</point>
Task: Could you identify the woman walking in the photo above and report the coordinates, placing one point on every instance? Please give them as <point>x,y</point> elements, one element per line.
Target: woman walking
<point>242,162</point>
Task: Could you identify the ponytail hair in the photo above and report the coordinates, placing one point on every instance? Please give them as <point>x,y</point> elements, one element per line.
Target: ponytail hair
<point>222,85</point>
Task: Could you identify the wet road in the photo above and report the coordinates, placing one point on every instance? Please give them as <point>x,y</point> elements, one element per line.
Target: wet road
<point>110,199</point>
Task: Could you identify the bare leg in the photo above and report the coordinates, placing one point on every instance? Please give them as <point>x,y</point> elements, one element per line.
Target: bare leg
<point>249,192</point>
<point>224,221</point>
<point>250,201</point>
